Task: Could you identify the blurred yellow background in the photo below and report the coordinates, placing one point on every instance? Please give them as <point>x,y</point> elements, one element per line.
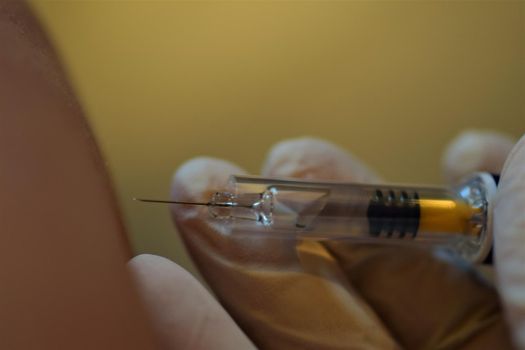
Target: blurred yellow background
<point>165,81</point>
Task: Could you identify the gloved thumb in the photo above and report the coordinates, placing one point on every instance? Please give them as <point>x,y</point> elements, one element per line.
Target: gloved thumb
<point>509,240</point>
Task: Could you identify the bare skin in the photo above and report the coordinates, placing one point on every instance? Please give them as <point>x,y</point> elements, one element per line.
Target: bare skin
<point>63,251</point>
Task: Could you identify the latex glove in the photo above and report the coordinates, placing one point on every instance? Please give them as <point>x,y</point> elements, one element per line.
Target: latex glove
<point>335,295</point>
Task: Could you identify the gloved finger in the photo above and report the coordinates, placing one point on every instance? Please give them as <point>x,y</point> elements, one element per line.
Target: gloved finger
<point>475,150</point>
<point>426,302</point>
<point>310,158</point>
<point>196,181</point>
<point>509,240</point>
<point>183,313</point>
<point>260,281</point>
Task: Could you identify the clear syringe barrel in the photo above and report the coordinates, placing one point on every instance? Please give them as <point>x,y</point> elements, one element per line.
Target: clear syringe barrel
<point>458,218</point>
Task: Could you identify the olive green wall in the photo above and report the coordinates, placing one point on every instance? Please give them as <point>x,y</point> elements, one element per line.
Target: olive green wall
<point>164,81</point>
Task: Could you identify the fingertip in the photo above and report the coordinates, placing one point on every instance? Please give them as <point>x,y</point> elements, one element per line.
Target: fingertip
<point>475,150</point>
<point>145,264</point>
<point>183,313</point>
<point>197,177</point>
<point>312,158</point>
<point>149,272</point>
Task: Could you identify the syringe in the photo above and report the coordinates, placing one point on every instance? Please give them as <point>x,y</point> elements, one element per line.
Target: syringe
<point>458,218</point>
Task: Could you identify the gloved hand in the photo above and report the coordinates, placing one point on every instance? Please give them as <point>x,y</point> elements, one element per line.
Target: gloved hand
<point>334,294</point>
